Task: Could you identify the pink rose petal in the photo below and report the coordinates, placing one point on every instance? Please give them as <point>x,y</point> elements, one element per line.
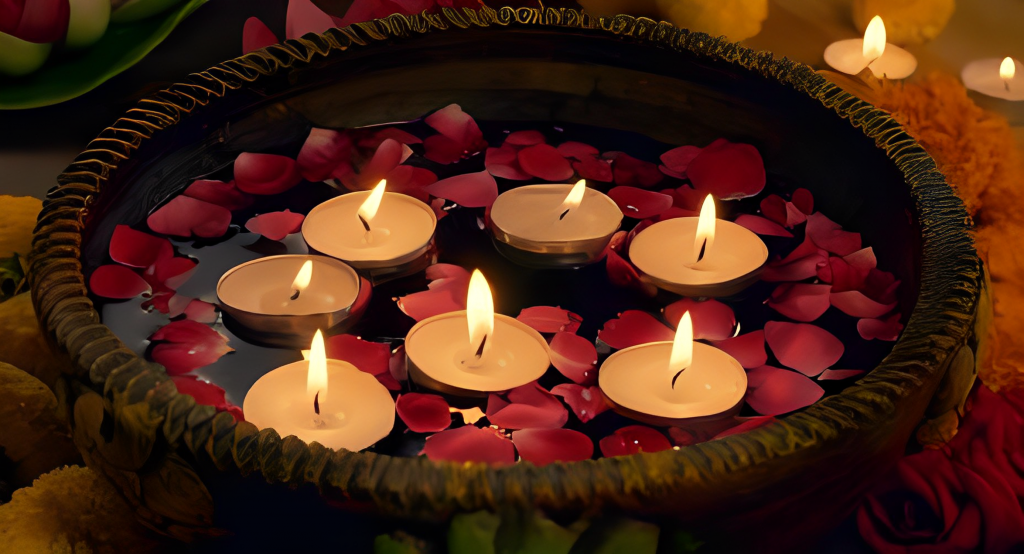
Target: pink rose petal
<point>842,275</point>
<point>748,349</point>
<point>856,304</point>
<point>377,137</point>
<point>639,203</point>
<point>593,168</point>
<point>413,181</point>
<point>177,304</point>
<point>762,226</point>
<point>504,162</point>
<point>803,200</point>
<point>830,235</point>
<point>459,127</point>
<point>220,193</point>
<point>526,407</point>
<point>887,329</point>
<point>387,157</point>
<point>470,444</point>
<point>773,391</point>
<point>447,293</point>
<point>200,311</point>
<point>206,394</point>
<point>574,357</point>
<point>256,35</point>
<point>585,402</point>
<point>549,319</point>
<point>184,217</point>
<point>304,17</point>
<point>472,190</point>
<point>727,170</point>
<point>545,446</point>
<point>678,159</point>
<point>369,357</point>
<point>623,274</point>
<point>634,327</point>
<point>525,138</point>
<point>806,348</point>
<point>117,281</point>
<point>323,151</point>
<point>633,439</point>
<point>800,301</point>
<point>137,249</point>
<point>839,374</point>
<point>746,424</point>
<point>802,263</point>
<point>712,320</point>
<point>863,259</point>
<point>187,345</point>
<point>423,413</point>
<point>577,150</point>
<point>631,172</point>
<point>275,225</point>
<point>170,272</point>
<point>544,161</point>
<point>265,173</point>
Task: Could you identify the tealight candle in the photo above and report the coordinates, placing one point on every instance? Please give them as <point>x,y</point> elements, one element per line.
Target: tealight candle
<point>320,400</point>
<point>474,352</point>
<point>382,234</point>
<point>719,258</point>
<point>283,300</point>
<point>886,61</point>
<point>678,383</point>
<point>993,77</point>
<point>554,225</point>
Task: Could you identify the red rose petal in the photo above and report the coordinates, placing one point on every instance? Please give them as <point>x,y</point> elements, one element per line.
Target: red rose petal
<point>678,159</point>
<point>504,162</point>
<point>423,413</point>
<point>774,391</point>
<point>526,407</point>
<point>549,319</point>
<point>397,366</point>
<point>727,170</point>
<point>220,193</point>
<point>304,17</point>
<point>806,348</point>
<point>256,35</point>
<point>577,150</point>
<point>200,311</point>
<point>276,225</point>
<point>762,226</point>
<point>447,293</point>
<point>664,169</point>
<point>585,402</point>
<point>800,301</point>
<point>623,274</point>
<point>830,235</point>
<point>802,263</point>
<point>544,446</point>
<point>887,329</point>
<point>137,249</point>
<point>10,15</point>
<point>525,138</point>
<point>170,272</point>
<point>839,374</point>
<point>748,349</point>
<point>574,357</point>
<point>673,213</point>
<point>472,190</point>
<point>387,157</point>
<point>880,286</point>
<point>633,439</point>
<point>856,304</point>
<point>443,150</point>
<point>687,198</point>
<point>265,173</point>
<point>413,181</point>
<point>632,172</point>
<point>362,301</point>
<point>746,424</point>
<point>863,259</point>
<point>42,21</point>
<point>184,217</point>
<point>369,357</point>
<point>773,207</point>
<point>804,201</point>
<point>634,327</point>
<point>187,345</point>
<point>842,275</point>
<point>593,168</point>
<point>206,394</point>
<point>458,126</point>
<point>322,152</point>
<point>176,305</point>
<point>117,281</point>
<point>544,161</point>
<point>470,444</point>
<point>639,203</point>
<point>712,320</point>
<point>378,136</point>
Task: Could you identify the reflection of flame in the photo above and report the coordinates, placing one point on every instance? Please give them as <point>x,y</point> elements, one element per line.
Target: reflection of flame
<point>682,345</point>
<point>316,376</point>
<point>574,198</point>
<point>874,39</point>
<point>705,236</point>
<point>1007,69</point>
<point>369,207</point>
<point>479,311</point>
<point>302,279</point>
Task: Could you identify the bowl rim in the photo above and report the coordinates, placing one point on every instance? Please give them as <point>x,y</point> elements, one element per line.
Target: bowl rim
<point>942,319</point>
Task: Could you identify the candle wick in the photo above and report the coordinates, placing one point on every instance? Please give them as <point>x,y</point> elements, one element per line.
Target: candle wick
<point>295,295</point>
<point>480,350</point>
<point>565,213</point>
<point>316,403</point>
<point>1006,84</point>
<point>676,377</point>
<point>703,250</point>
<point>366,224</point>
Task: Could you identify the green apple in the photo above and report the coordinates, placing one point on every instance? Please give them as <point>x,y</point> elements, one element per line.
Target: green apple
<point>133,10</point>
<point>18,57</point>
<point>89,20</point>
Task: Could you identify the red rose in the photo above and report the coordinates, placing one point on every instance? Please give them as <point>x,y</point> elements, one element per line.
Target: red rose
<point>990,439</point>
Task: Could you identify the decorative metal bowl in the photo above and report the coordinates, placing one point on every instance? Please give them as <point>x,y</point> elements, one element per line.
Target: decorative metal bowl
<point>189,469</point>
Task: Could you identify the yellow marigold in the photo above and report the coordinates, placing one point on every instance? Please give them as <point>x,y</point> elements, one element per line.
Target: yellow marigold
<point>17,219</point>
<point>736,19</point>
<point>906,21</point>
<point>22,343</point>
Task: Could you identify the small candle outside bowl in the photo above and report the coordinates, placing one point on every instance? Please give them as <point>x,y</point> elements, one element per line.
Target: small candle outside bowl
<point>240,289</point>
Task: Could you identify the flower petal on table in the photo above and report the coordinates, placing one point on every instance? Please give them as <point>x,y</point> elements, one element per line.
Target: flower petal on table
<point>176,305</point>
<point>470,444</point>
<point>574,357</point>
<point>806,348</point>
<point>186,345</point>
<point>762,226</point>
<point>170,272</point>
<point>256,35</point>
<point>275,225</point>
<point>745,424</point>
<point>593,168</point>
<point>504,162</point>
<point>265,173</point>
<point>472,190</point>
<point>203,312</point>
<point>423,413</point>
<point>322,152</point>
<point>748,349</point>
<point>220,193</point>
<point>856,304</point>
<point>839,374</point>
<point>446,293</point>
<point>830,235</point>
<point>802,263</point>
<point>634,327</point>
<point>639,203</point>
<point>773,207</point>
<point>585,402</point>
<point>803,200</point>
<point>633,439</point>
<point>184,216</point>
<point>525,138</point>
<point>412,181</point>
<point>117,281</point>
<point>550,319</point>
<point>137,249</point>
<point>727,170</point>
<point>458,126</point>
<point>442,150</point>
<point>887,329</point>
<point>712,320</point>
<point>526,407</point>
<point>629,171</point>
<point>387,157</point>
<point>206,394</point>
<point>577,150</point>
<point>545,162</point>
<point>678,159</point>
<point>687,198</point>
<point>369,357</point>
<point>800,301</point>
<point>303,16</point>
<point>774,391</point>
<point>842,275</point>
<point>544,446</point>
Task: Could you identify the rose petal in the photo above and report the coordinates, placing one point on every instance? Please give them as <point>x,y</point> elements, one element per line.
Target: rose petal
<point>549,319</point>
<point>525,138</point>
<point>117,281</point>
<point>137,249</point>
<point>802,263</point>
<point>762,226</point>
<point>746,424</point>
<point>369,357</point>
<point>379,135</point>
<point>574,357</point>
<point>687,198</point>
<point>748,349</point>
<point>470,444</point>
<point>322,152</point>
<point>856,304</point>
<point>387,157</point>
<point>838,374</point>
<point>585,402</point>
<point>880,286</point>
<point>413,181</point>
<point>774,391</point>
<point>504,162</point>
<point>362,300</point>
<point>664,169</point>
<point>447,293</point>
<point>304,17</point>
<point>423,413</point>
<point>458,126</point>
<point>806,348</point>
<point>544,161</point>
<point>472,190</point>
<point>804,201</point>
<point>633,439</point>
<point>673,213</point>
<point>632,172</point>
<point>594,169</point>
<point>862,260</point>
<point>829,235</point>
<point>623,274</point>
<point>639,203</point>
<point>42,21</point>
<point>678,159</point>
<point>544,446</point>
<point>727,170</point>
<point>265,174</point>
<point>184,217</point>
<point>887,329</point>
<point>200,311</point>
<point>256,35</point>
<point>526,407</point>
<point>634,327</point>
<point>800,301</point>
<point>712,320</point>
<point>577,150</point>
<point>275,225</point>
<point>842,275</point>
<point>773,207</point>
<point>186,345</point>
<point>176,306</point>
<point>220,193</point>
<point>170,272</point>
<point>206,394</point>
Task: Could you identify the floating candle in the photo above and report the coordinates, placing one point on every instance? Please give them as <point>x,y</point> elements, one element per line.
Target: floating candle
<point>994,77</point>
<point>718,258</point>
<point>382,234</point>
<point>320,400</point>
<point>283,300</point>
<point>473,352</point>
<point>554,225</point>
<point>886,61</point>
<point>674,383</point>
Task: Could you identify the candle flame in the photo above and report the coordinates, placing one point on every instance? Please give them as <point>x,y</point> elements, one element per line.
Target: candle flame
<point>705,236</point>
<point>369,207</point>
<point>316,375</point>
<point>682,346</point>
<point>573,199</point>
<point>1007,69</point>
<point>479,312</point>
<point>874,39</point>
<point>303,277</point>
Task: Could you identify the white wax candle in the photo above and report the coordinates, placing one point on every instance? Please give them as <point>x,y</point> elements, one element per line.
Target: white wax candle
<point>995,77</point>
<point>886,61</point>
<point>264,286</point>
<point>532,213</point>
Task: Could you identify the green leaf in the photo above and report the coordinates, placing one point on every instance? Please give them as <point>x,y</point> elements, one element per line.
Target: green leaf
<point>399,544</point>
<point>74,74</point>
<point>529,532</point>
<point>473,533</point>
<point>618,536</point>
<point>12,277</point>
